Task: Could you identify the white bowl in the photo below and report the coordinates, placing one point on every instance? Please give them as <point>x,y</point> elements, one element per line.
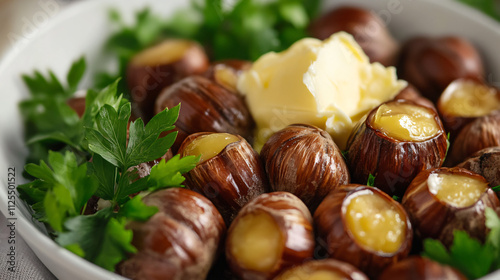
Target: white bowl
<point>83,29</point>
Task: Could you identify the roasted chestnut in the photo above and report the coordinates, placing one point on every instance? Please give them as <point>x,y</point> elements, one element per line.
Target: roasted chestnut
<point>206,107</point>
<point>363,226</point>
<point>412,94</point>
<point>271,233</point>
<point>485,163</point>
<point>229,172</point>
<point>159,66</point>
<point>327,269</point>
<point>394,142</point>
<point>178,242</point>
<point>77,104</point>
<point>304,160</point>
<point>418,268</point>
<point>483,132</point>
<point>431,64</point>
<point>367,28</point>
<point>465,100</point>
<point>442,200</point>
<point>227,72</point>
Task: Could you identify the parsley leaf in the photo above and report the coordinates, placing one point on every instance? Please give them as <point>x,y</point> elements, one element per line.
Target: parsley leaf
<point>169,174</point>
<point>488,7</point>
<point>468,254</point>
<point>371,180</point>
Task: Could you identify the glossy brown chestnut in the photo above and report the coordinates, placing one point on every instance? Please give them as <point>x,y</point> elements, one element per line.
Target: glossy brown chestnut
<point>412,94</point>
<point>367,28</point>
<point>206,107</point>
<point>483,132</point>
<point>431,64</point>
<point>271,233</point>
<point>230,178</point>
<point>340,242</point>
<point>227,72</point>
<point>304,160</point>
<point>418,268</point>
<point>485,163</point>
<point>178,242</point>
<point>434,217</point>
<point>159,66</point>
<point>465,100</point>
<point>393,162</point>
<point>77,104</point>
<point>326,269</point>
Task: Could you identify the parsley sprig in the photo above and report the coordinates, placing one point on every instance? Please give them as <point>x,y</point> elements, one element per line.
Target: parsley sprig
<point>467,254</point>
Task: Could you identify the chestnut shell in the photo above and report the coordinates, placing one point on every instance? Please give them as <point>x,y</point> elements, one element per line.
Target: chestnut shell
<point>295,222</point>
<point>394,163</point>
<point>342,269</point>
<point>435,219</point>
<point>229,179</point>
<point>304,160</point>
<point>337,241</point>
<point>431,64</point>
<point>206,107</point>
<point>486,163</point>
<point>417,268</point>
<point>179,242</point>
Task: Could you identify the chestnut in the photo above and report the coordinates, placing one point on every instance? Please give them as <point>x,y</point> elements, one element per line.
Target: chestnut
<point>304,160</point>
<point>227,72</point>
<point>418,268</point>
<point>481,133</point>
<point>412,94</point>
<point>431,64</point>
<point>229,172</point>
<point>159,66</point>
<point>206,107</point>
<point>271,233</point>
<point>77,104</point>
<point>465,100</point>
<point>363,226</point>
<point>394,142</point>
<point>367,28</point>
<point>486,163</point>
<point>441,200</point>
<point>322,269</point>
<point>178,242</point>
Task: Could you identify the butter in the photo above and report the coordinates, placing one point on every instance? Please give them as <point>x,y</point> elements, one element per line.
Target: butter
<point>330,84</point>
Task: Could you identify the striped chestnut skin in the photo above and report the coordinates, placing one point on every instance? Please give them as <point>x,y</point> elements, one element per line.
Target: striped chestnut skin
<point>483,132</point>
<point>340,269</point>
<point>393,162</point>
<point>304,160</point>
<point>486,163</point>
<point>433,218</point>
<point>230,179</point>
<point>205,107</point>
<point>180,241</point>
<point>417,268</point>
<point>294,222</point>
<point>338,241</point>
<point>412,94</point>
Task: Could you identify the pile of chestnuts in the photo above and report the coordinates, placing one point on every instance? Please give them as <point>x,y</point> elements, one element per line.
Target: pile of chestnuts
<point>302,209</point>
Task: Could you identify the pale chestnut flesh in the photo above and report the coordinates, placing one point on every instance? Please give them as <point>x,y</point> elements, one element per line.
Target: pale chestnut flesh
<point>456,190</point>
<point>210,145</point>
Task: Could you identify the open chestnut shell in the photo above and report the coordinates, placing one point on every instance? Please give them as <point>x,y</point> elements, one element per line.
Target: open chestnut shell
<point>179,242</point>
<point>394,162</point>
<point>159,66</point>
<point>417,268</point>
<point>332,226</point>
<point>436,211</point>
<point>431,64</point>
<point>465,100</point>
<point>230,178</point>
<point>412,94</point>
<point>367,28</point>
<point>271,233</point>
<point>483,132</point>
<point>227,72</point>
<point>304,160</point>
<point>206,107</point>
<point>322,268</point>
<point>486,163</point>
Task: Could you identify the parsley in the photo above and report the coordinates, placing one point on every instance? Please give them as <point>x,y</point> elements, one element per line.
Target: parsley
<point>467,254</point>
<point>371,181</point>
<point>496,188</point>
<point>489,7</point>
